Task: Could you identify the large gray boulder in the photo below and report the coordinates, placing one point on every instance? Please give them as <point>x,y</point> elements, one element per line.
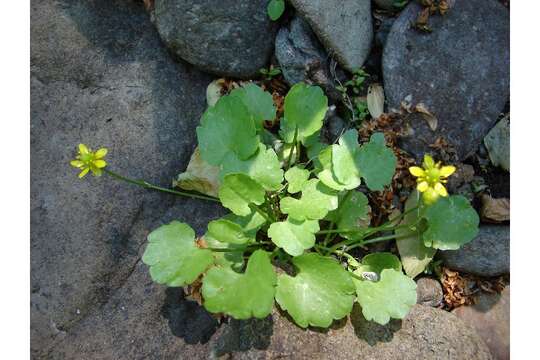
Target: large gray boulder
<point>225,37</point>
<point>99,75</point>
<point>426,333</point>
<point>459,71</point>
<point>344,27</point>
<point>486,255</point>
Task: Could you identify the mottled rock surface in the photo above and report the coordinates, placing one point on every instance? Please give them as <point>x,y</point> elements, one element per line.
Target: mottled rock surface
<point>497,142</point>
<point>426,333</point>
<point>490,316</point>
<point>429,292</point>
<point>227,37</point>
<point>460,71</point>
<point>99,75</point>
<point>344,27</point>
<point>487,255</point>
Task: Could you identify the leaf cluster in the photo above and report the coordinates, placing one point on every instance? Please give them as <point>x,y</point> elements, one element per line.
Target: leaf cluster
<point>300,207</point>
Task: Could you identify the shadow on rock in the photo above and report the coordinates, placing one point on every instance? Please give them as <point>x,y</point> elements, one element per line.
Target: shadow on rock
<point>370,331</point>
<point>187,319</point>
<point>244,335</point>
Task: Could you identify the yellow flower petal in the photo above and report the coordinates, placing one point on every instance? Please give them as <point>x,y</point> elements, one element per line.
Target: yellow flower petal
<point>416,171</point>
<point>77,163</point>
<point>83,173</point>
<point>96,171</point>
<point>101,153</point>
<point>83,149</point>
<point>428,162</point>
<point>440,189</point>
<point>447,170</point>
<point>422,186</point>
<point>100,163</point>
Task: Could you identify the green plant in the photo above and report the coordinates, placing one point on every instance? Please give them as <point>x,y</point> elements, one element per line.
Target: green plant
<point>350,91</point>
<point>298,210</point>
<point>275,9</point>
<point>270,73</point>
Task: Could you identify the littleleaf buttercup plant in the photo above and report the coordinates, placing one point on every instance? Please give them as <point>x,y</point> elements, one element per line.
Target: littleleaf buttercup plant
<point>303,209</point>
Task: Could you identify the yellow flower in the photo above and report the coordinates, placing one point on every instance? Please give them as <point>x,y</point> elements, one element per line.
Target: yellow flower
<point>87,160</point>
<point>431,179</point>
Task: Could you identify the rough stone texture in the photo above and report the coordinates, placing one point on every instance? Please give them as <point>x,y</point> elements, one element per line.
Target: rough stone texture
<point>298,50</point>
<point>429,292</point>
<point>490,316</point>
<point>426,333</point>
<point>344,27</point>
<point>497,142</point>
<point>99,75</point>
<point>487,255</point>
<point>227,37</point>
<point>460,71</point>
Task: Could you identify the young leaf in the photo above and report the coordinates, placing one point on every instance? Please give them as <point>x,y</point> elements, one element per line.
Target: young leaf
<point>294,236</point>
<point>344,164</point>
<point>377,262</point>
<point>173,257</point>
<point>452,222</point>
<point>415,256</point>
<point>227,127</point>
<point>352,213</point>
<point>258,102</point>
<point>238,191</point>
<point>390,297</point>
<point>241,295</point>
<point>305,107</point>
<point>275,9</point>
<point>325,172</point>
<point>296,178</point>
<point>320,292</point>
<point>227,231</point>
<point>377,163</point>
<point>263,167</point>
<point>317,199</point>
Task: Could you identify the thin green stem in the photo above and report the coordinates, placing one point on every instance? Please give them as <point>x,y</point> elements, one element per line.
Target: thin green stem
<point>261,212</point>
<point>147,185</point>
<point>293,147</point>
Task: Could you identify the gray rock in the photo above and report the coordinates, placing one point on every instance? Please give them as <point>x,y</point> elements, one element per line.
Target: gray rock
<point>490,316</point>
<point>228,37</point>
<point>99,75</point>
<point>460,71</point>
<point>497,142</point>
<point>344,27</point>
<point>299,52</point>
<point>426,333</point>
<point>487,255</point>
<point>143,320</point>
<point>429,292</point>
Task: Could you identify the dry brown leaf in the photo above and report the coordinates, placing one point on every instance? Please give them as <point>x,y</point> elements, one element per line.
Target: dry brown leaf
<point>495,210</point>
<point>199,176</point>
<point>427,115</point>
<point>375,100</point>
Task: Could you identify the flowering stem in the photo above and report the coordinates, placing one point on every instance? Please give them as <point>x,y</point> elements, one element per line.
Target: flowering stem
<point>147,185</point>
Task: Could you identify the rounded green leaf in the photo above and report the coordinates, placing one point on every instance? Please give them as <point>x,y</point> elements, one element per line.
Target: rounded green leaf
<point>227,231</point>
<point>325,172</point>
<point>377,163</point>
<point>316,201</point>
<point>258,102</point>
<point>390,297</point>
<point>294,236</point>
<point>377,262</point>
<point>241,295</point>
<point>173,257</point>
<point>344,163</point>
<point>352,213</point>
<point>415,256</point>
<point>227,127</point>
<point>296,177</point>
<point>322,291</point>
<point>238,191</point>
<point>452,222</point>
<point>275,9</point>
<point>305,107</point>
<point>263,167</point>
